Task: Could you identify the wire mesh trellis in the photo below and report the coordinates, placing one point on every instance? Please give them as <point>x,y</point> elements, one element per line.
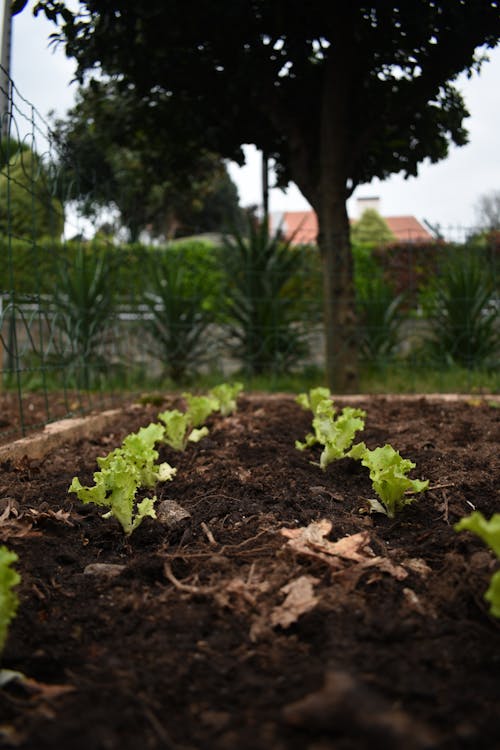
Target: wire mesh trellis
<point>85,320</point>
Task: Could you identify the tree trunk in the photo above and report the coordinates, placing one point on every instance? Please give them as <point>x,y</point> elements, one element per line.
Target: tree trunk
<point>334,232</point>
<point>322,169</point>
<point>339,299</point>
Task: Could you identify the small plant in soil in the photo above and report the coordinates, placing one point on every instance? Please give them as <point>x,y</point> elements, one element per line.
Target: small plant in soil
<point>312,399</point>
<point>387,468</point>
<point>181,428</point>
<point>336,434</point>
<point>489,532</point>
<point>121,474</point>
<point>226,394</point>
<point>178,429</point>
<point>9,578</point>
<point>388,473</point>
<point>200,407</point>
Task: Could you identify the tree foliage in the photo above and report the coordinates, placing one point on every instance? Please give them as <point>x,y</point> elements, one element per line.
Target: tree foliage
<point>335,93</point>
<point>371,227</point>
<point>115,154</point>
<point>28,203</point>
<point>488,211</point>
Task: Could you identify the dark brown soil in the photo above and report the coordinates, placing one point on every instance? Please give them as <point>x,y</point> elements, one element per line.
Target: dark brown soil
<point>387,644</point>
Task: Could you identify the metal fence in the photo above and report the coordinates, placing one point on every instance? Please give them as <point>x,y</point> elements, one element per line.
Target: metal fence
<point>85,321</point>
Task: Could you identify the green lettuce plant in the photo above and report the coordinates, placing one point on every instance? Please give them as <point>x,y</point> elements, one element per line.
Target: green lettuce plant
<point>9,602</point>
<point>336,434</point>
<point>388,472</point>
<point>200,407</point>
<point>226,395</point>
<point>121,474</point>
<point>489,532</point>
<point>178,429</point>
<point>138,449</point>
<point>312,399</point>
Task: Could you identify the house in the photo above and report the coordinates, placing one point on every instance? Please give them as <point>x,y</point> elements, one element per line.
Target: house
<point>302,226</point>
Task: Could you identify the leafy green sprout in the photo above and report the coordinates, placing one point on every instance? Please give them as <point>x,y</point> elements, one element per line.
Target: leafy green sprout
<point>122,473</point>
<point>9,602</point>
<point>388,473</point>
<point>226,394</point>
<point>489,532</point>
<point>178,429</point>
<point>336,434</point>
<point>312,399</point>
<point>200,407</point>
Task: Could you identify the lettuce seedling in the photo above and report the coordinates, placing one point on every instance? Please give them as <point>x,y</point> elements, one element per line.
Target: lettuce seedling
<point>115,487</point>
<point>388,474</point>
<point>178,430</point>
<point>121,474</point>
<point>489,532</point>
<point>335,434</point>
<point>226,394</point>
<point>138,449</point>
<point>312,399</point>
<point>9,601</point>
<point>200,407</point>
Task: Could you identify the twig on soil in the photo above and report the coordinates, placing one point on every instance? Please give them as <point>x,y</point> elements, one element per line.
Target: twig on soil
<point>167,569</point>
<point>208,534</point>
<point>158,728</point>
<point>445,508</point>
<point>244,542</point>
<point>440,486</point>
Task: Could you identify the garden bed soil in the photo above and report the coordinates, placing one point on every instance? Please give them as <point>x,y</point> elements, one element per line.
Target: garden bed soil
<point>236,622</point>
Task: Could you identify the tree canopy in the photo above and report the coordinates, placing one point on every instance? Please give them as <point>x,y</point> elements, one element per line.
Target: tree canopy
<point>371,227</point>
<point>488,211</point>
<point>114,155</point>
<point>29,207</point>
<point>335,93</point>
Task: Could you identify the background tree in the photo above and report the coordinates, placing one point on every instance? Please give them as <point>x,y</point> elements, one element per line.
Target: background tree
<point>10,148</point>
<point>488,211</point>
<point>115,155</point>
<point>28,203</point>
<point>335,93</point>
<point>371,227</point>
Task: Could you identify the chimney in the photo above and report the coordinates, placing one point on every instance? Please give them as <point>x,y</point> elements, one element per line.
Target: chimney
<point>369,202</point>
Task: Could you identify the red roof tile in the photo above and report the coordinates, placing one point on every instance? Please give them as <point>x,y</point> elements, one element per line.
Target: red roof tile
<point>302,227</point>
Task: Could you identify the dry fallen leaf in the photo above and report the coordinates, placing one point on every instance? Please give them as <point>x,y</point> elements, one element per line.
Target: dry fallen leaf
<point>300,599</point>
<point>311,541</point>
<point>12,523</point>
<point>55,515</point>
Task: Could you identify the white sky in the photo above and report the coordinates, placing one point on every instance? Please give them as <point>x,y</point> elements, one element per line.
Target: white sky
<point>445,194</point>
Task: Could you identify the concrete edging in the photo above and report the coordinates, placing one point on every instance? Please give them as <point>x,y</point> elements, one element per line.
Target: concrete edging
<point>64,430</point>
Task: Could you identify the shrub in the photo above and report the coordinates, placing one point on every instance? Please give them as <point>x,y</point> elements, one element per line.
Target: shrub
<point>461,306</point>
<point>262,315</point>
<point>182,289</point>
